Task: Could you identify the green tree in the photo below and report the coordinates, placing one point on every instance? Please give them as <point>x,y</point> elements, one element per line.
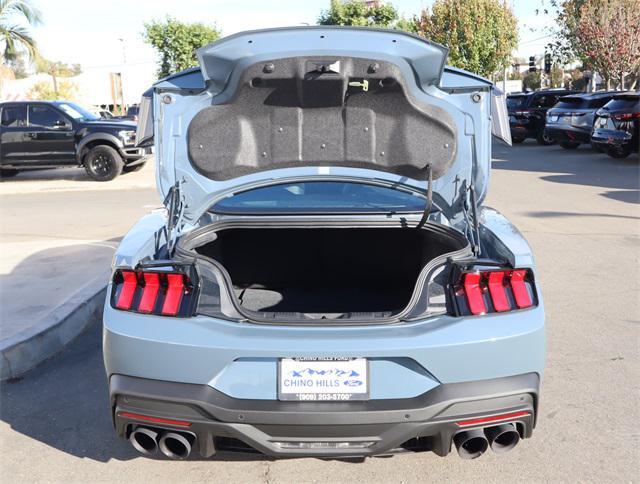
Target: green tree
<point>56,70</point>
<point>45,91</point>
<point>531,81</point>
<point>607,35</point>
<point>176,42</point>
<point>19,66</point>
<point>480,34</point>
<point>362,13</point>
<point>16,18</point>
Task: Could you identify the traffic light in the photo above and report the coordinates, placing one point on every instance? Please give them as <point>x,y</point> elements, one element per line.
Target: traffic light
<point>532,64</point>
<point>547,63</point>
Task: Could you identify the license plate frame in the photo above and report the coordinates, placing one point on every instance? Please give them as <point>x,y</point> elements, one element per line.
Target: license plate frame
<point>326,379</point>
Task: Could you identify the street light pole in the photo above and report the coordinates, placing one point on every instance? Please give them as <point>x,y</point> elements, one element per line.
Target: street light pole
<point>124,63</point>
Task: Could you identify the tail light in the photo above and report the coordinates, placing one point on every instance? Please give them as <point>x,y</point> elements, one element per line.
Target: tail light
<point>625,116</point>
<point>477,291</point>
<point>160,292</point>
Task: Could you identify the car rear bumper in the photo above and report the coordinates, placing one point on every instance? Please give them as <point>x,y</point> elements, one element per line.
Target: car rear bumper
<point>612,138</point>
<point>523,131</point>
<point>569,134</point>
<point>328,429</point>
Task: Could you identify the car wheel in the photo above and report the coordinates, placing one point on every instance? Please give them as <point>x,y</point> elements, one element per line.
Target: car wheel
<point>618,152</point>
<point>8,173</point>
<point>544,139</point>
<point>569,145</point>
<point>517,140</point>
<point>103,163</point>
<point>132,169</point>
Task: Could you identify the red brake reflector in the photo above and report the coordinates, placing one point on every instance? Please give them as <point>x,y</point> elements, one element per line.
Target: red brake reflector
<point>147,418</point>
<point>150,292</point>
<point>519,288</point>
<point>473,292</point>
<point>498,294</point>
<point>495,418</point>
<point>173,298</point>
<point>128,289</point>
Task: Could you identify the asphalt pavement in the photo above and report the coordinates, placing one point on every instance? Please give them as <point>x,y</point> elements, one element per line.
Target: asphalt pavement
<point>58,232</point>
<point>580,210</point>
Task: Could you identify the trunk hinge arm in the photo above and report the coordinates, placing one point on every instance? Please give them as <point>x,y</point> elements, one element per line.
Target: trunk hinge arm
<point>429,204</point>
<point>175,205</point>
<point>471,217</point>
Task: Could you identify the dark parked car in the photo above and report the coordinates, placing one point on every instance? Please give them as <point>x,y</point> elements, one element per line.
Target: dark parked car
<point>570,121</point>
<point>132,113</point>
<point>54,134</point>
<point>527,113</point>
<point>617,124</point>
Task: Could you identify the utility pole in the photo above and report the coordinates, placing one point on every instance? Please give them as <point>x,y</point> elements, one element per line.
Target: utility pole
<point>124,63</point>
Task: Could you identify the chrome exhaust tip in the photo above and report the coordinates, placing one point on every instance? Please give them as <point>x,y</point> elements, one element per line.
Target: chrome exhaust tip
<point>471,443</point>
<point>144,440</point>
<point>176,445</point>
<point>502,438</point>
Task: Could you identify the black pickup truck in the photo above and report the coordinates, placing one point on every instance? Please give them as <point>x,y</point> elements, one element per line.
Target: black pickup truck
<point>39,134</point>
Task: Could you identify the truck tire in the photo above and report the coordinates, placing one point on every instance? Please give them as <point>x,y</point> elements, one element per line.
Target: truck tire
<point>103,163</point>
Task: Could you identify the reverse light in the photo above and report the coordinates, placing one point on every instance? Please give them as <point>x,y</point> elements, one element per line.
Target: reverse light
<point>153,292</point>
<point>488,290</point>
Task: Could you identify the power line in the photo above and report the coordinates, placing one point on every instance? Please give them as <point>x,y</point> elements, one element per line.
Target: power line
<point>535,40</point>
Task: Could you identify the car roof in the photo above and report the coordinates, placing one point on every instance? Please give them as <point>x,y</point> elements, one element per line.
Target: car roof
<point>592,95</point>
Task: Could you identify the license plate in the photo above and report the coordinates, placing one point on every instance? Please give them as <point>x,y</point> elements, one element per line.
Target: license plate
<point>323,379</point>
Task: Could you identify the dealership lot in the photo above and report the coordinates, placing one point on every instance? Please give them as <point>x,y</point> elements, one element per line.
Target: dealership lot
<point>579,210</point>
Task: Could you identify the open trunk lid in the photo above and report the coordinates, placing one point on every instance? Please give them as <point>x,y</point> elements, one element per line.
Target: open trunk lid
<point>302,102</point>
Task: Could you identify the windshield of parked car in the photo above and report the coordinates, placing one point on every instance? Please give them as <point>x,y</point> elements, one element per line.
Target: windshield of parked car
<point>321,196</point>
<point>77,112</point>
<point>514,102</point>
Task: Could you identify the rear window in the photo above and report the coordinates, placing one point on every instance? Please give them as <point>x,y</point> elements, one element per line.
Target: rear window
<point>571,103</point>
<point>321,197</point>
<point>624,102</point>
<point>515,102</point>
<point>598,102</point>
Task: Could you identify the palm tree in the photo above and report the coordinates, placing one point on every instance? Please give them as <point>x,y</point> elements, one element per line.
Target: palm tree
<point>16,16</point>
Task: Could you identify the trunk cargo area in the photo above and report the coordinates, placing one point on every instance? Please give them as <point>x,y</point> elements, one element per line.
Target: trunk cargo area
<point>327,272</point>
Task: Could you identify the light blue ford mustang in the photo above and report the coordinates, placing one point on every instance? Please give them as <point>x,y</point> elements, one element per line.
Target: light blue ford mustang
<point>324,280</point>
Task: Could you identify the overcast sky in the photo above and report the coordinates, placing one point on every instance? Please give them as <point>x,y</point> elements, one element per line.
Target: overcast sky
<point>88,31</point>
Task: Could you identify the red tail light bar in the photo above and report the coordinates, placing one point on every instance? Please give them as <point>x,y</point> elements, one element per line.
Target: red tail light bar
<point>153,292</point>
<point>625,116</point>
<point>477,291</point>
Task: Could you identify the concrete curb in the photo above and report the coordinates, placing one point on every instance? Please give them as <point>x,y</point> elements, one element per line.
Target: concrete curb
<point>27,349</point>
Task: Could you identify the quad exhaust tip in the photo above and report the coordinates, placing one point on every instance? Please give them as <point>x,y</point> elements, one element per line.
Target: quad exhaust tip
<point>471,444</point>
<point>144,440</point>
<point>176,445</point>
<point>502,438</point>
